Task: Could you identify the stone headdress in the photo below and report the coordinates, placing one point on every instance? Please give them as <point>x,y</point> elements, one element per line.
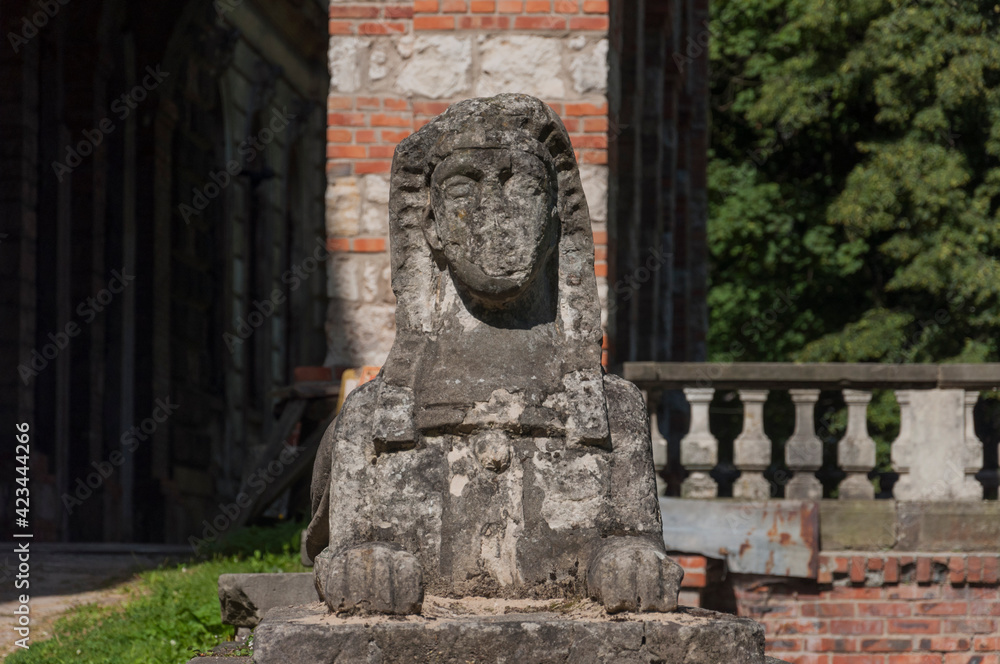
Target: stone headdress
<point>511,121</point>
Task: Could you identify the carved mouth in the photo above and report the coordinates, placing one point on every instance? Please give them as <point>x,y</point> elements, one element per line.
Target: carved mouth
<point>503,272</point>
<point>491,283</point>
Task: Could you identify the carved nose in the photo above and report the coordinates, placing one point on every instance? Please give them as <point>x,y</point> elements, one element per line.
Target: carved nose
<point>492,202</point>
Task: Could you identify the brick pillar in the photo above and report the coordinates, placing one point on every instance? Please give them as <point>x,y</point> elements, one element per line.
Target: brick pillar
<point>393,67</point>
<point>658,191</point>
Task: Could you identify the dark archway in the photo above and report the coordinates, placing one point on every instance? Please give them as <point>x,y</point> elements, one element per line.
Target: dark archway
<point>158,96</point>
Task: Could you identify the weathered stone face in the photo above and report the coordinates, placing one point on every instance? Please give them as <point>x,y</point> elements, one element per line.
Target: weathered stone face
<point>491,456</point>
<point>494,220</point>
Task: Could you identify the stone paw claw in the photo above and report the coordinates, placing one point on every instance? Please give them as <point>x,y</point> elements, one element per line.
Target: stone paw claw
<point>630,574</point>
<point>380,578</point>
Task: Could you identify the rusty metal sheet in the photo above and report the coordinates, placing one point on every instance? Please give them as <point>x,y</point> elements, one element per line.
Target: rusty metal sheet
<point>773,537</point>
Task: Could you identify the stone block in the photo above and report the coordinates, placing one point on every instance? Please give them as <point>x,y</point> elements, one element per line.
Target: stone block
<point>245,598</point>
<point>359,334</point>
<point>589,68</point>
<point>361,278</point>
<point>343,207</point>
<point>521,63</point>
<point>374,219</point>
<point>375,208</point>
<point>494,631</point>
<point>857,525</point>
<point>948,526</point>
<point>384,62</point>
<point>438,67</point>
<point>377,191</point>
<point>595,186</point>
<point>346,55</point>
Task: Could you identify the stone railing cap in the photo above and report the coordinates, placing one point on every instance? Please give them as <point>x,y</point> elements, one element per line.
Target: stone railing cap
<point>822,375</point>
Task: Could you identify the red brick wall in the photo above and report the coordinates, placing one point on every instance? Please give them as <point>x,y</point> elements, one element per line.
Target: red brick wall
<point>878,609</point>
<point>362,133</point>
<point>396,65</point>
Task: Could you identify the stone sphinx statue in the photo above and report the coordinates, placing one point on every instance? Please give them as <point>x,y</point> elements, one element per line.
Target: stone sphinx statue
<point>491,456</point>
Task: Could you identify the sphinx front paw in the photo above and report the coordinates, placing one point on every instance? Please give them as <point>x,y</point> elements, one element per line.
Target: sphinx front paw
<point>631,574</point>
<point>375,577</point>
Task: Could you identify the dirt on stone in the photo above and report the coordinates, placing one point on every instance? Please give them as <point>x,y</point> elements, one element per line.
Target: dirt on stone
<point>445,608</point>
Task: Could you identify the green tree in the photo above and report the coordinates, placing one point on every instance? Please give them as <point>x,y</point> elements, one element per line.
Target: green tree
<point>854,180</point>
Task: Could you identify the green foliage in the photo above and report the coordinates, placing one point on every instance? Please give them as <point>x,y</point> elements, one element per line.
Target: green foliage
<point>855,171</point>
<point>170,613</point>
<point>282,538</point>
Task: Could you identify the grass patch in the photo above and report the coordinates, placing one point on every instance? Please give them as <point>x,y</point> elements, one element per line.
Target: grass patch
<point>171,612</point>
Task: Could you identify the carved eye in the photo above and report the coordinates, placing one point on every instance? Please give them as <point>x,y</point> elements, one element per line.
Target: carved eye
<point>461,187</point>
<point>525,183</point>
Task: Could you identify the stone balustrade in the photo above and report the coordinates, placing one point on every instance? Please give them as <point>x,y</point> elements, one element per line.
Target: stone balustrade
<point>937,454</point>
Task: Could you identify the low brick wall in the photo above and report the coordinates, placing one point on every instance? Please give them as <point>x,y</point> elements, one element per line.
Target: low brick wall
<point>867,608</point>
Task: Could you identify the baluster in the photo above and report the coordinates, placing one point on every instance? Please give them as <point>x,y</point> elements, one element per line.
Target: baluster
<point>804,449</point>
<point>856,450</point>
<point>902,449</point>
<point>752,449</point>
<point>699,448</point>
<point>656,438</point>
<point>973,457</point>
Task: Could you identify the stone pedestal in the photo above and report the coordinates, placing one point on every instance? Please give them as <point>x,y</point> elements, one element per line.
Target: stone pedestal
<point>245,598</point>
<point>487,631</point>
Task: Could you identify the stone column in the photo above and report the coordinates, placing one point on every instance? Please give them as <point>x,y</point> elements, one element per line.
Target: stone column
<point>856,450</point>
<point>752,449</point>
<point>971,489</point>
<point>656,438</point>
<point>699,448</point>
<point>804,449</point>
